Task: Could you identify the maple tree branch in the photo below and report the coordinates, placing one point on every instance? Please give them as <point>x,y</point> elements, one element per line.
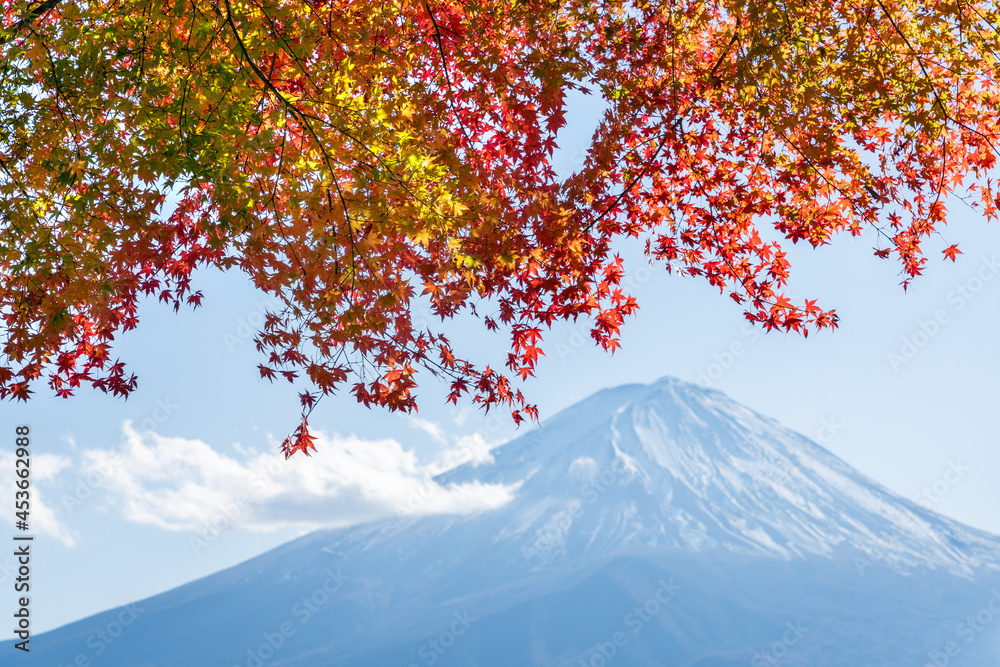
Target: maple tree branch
<point>638,177</point>
<point>930,80</point>
<point>447,76</point>
<point>307,125</point>
<point>678,122</point>
<point>287,48</point>
<point>795,147</point>
<point>305,119</point>
<point>725,51</point>
<point>36,12</point>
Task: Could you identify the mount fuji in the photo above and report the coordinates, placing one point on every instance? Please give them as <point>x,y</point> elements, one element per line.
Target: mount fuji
<point>652,525</point>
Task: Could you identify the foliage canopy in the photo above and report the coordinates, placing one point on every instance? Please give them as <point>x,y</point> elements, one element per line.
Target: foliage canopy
<point>353,157</point>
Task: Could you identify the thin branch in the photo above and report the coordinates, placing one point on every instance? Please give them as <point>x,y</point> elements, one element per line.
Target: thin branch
<point>36,12</point>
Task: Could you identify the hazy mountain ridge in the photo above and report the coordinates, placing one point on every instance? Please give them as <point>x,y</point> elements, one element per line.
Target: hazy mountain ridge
<point>767,542</point>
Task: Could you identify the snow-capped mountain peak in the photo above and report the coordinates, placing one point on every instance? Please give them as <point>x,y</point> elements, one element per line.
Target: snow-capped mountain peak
<point>680,465</point>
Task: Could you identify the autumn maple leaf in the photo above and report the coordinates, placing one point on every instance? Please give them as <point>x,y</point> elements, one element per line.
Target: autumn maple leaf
<point>299,441</point>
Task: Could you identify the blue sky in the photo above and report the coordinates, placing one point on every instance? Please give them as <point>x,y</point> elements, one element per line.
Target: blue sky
<point>904,390</point>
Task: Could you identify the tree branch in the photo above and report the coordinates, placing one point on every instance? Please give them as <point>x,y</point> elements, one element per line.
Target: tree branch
<point>37,12</point>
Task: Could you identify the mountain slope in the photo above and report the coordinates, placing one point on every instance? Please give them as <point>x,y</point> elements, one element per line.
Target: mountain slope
<point>704,471</point>
<point>653,525</point>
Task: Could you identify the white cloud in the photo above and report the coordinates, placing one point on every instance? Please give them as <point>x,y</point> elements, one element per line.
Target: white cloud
<point>42,520</point>
<point>428,427</point>
<point>467,449</point>
<point>181,484</point>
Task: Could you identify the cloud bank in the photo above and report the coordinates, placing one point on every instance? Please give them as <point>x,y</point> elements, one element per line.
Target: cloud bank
<point>185,485</point>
